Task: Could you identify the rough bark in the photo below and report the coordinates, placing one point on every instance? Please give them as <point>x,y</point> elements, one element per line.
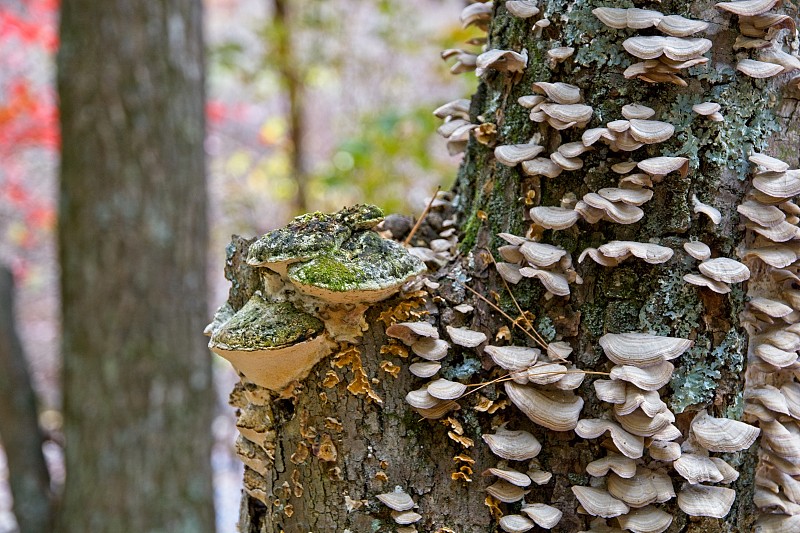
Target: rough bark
<point>19,428</point>
<point>490,198</point>
<point>132,241</point>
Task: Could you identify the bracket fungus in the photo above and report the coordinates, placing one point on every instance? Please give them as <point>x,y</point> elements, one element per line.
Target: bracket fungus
<point>271,343</point>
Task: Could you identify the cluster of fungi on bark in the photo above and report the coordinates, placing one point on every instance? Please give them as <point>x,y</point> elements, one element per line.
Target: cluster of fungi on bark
<point>315,289</point>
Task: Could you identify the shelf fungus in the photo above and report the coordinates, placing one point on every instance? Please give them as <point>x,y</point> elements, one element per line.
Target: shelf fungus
<point>558,104</point>
<point>530,259</point>
<point>271,343</point>
<point>709,110</point>
<point>615,252</point>
<point>522,8</point>
<point>502,61</point>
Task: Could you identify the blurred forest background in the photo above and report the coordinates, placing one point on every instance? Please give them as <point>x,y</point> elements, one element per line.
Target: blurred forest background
<point>312,105</point>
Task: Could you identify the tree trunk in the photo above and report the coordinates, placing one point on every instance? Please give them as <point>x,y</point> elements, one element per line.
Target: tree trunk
<point>19,427</point>
<point>132,240</point>
<point>380,446</point>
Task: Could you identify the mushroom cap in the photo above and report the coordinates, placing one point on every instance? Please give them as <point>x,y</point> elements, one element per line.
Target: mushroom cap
<point>778,184</point>
<point>610,390</point>
<point>747,8</point>
<point>648,401</point>
<point>513,358</point>
<point>406,517</point>
<point>722,434</point>
<point>509,272</point>
<point>364,269</point>
<point>573,149</point>
<point>560,53</point>
<point>444,389</point>
<point>552,281</point>
<point>777,255</point>
<point>661,166</point>
<point>775,356</point>
<point>512,476</point>
<point>627,196</point>
<point>541,166</point>
<point>651,378</point>
<point>560,93</point>
<point>541,254</point>
<point>515,523</point>
<point>506,492</point>
<point>696,468</point>
<point>725,270</point>
<point>637,111</point>
<point>430,349</point>
<point>457,108</point>
<point>710,211</point>
<point>556,410</point>
<point>648,519</point>
<point>466,337</point>
<point>645,487</point>
<point>703,500</point>
<point>768,163</point>
<point>764,215</point>
<point>271,343</point>
<point>512,445</point>
<point>757,69</point>
<point>650,131</point>
<point>698,250</point>
<point>706,108</point>
<point>649,252</point>
<point>568,112</point>
<point>598,502</point>
<point>545,516</point>
<point>424,369</point>
<point>421,399</point>
<point>770,307</point>
<point>522,8</point>
<point>703,281</point>
<point>567,163</point>
<point>662,450</point>
<point>397,500</point>
<point>642,349</point>
<point>617,212</point>
<point>678,26</point>
<point>640,424</point>
<point>502,60</point>
<point>553,217</point>
<point>410,332</point>
<point>628,444</point>
<point>613,17</point>
<point>621,465</point>
<point>512,154</point>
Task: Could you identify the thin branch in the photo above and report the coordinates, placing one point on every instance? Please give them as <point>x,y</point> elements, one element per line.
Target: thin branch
<point>422,217</point>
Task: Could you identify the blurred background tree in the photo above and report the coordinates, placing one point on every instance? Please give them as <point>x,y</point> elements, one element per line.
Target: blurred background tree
<point>132,238</point>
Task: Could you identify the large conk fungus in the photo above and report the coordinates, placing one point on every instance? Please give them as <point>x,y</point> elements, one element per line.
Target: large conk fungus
<point>271,343</point>
<point>332,265</point>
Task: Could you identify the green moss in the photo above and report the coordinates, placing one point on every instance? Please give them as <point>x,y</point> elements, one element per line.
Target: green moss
<point>329,272</point>
<point>364,262</point>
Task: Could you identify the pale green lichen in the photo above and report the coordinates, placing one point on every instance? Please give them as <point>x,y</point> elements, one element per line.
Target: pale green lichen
<point>261,324</point>
<point>695,380</point>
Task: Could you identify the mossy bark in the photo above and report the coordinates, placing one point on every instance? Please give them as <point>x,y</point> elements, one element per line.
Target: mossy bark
<point>490,198</point>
